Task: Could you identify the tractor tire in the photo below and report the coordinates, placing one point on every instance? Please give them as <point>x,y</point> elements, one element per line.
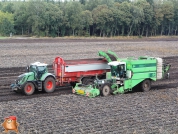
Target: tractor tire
<point>105,89</point>
<point>49,85</point>
<point>146,85</point>
<point>29,88</point>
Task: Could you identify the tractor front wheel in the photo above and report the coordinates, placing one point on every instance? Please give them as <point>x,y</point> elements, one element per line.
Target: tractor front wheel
<point>29,88</point>
<point>49,85</point>
<point>105,89</point>
<point>146,85</point>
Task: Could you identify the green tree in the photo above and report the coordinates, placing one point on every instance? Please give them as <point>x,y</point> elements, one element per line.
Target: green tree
<point>0,6</point>
<point>125,16</point>
<point>20,19</point>
<point>86,20</point>
<point>157,17</point>
<point>136,18</point>
<point>102,17</point>
<point>8,7</point>
<point>120,1</point>
<point>82,1</point>
<point>91,4</point>
<point>64,21</point>
<point>168,16</point>
<point>6,23</point>
<point>74,15</point>
<point>175,24</point>
<point>53,20</point>
<point>116,13</point>
<point>146,18</point>
<point>36,21</point>
<point>109,3</point>
<point>151,2</point>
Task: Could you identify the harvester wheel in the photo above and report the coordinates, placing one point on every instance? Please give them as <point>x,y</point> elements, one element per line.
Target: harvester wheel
<point>84,80</point>
<point>146,85</point>
<point>105,89</point>
<point>49,85</point>
<point>29,88</point>
<point>89,82</point>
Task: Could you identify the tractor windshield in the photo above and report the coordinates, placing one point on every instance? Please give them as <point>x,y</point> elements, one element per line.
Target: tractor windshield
<point>41,68</point>
<point>118,71</point>
<point>32,68</point>
<point>41,71</point>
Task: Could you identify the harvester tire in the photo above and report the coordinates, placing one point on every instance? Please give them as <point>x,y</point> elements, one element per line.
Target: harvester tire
<point>29,88</point>
<point>84,80</point>
<point>105,89</point>
<point>89,82</point>
<point>49,85</point>
<point>146,85</point>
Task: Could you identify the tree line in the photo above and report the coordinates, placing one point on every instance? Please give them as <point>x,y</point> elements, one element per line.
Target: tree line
<point>105,18</point>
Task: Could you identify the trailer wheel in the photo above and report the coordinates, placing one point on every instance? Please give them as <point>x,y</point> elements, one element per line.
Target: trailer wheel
<point>146,85</point>
<point>49,85</point>
<point>105,89</point>
<point>29,88</point>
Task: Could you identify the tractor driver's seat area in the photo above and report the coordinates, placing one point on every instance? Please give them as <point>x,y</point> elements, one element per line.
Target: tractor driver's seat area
<point>40,71</point>
<point>33,68</point>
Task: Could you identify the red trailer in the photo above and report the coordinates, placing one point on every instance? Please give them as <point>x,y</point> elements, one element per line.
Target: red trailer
<point>80,70</point>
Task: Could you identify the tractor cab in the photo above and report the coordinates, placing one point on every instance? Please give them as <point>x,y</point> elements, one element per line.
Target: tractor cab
<point>118,69</point>
<point>38,69</point>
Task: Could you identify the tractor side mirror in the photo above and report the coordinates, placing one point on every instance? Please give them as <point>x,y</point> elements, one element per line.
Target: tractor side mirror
<point>27,68</point>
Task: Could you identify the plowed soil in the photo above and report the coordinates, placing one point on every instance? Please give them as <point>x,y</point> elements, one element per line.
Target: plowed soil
<point>153,112</point>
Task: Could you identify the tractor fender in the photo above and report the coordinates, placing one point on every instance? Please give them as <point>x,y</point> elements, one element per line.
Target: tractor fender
<point>47,75</point>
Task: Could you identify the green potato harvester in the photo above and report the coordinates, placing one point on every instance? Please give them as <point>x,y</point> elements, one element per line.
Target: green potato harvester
<point>124,75</point>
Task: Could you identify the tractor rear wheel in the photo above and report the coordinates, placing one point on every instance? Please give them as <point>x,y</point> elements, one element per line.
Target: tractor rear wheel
<point>105,89</point>
<point>49,85</point>
<point>146,85</point>
<point>29,88</point>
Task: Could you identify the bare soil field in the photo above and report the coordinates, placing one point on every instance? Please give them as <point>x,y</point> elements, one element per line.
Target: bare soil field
<point>153,112</point>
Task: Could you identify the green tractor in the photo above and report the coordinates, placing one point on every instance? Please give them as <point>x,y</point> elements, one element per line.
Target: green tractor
<point>125,75</point>
<point>36,78</point>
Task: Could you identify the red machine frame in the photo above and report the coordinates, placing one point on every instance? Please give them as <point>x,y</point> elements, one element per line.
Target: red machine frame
<point>72,71</point>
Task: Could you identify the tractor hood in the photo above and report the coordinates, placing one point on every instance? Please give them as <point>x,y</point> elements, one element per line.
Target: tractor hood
<point>23,77</point>
<point>20,77</point>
